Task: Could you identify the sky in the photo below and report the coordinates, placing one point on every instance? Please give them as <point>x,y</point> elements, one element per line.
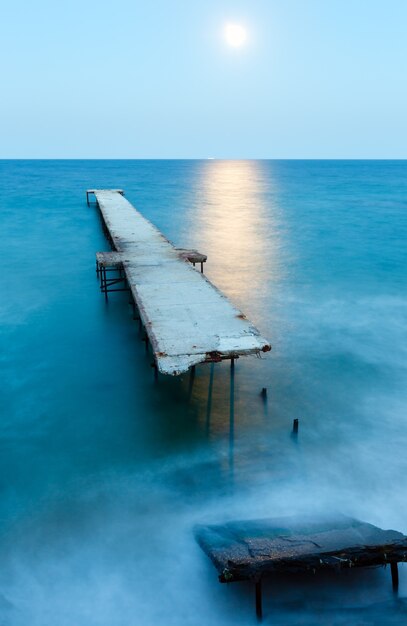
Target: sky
<point>156,79</point>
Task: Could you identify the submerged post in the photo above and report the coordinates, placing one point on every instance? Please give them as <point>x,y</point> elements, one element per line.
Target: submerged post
<point>395,576</point>
<point>259,606</point>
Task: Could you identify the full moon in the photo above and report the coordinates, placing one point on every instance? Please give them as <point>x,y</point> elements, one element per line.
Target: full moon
<point>235,35</point>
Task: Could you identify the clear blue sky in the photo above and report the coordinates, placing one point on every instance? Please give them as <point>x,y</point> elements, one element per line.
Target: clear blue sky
<point>154,79</point>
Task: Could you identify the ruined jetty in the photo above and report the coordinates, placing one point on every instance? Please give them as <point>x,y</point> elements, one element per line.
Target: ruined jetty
<point>254,549</point>
<point>187,320</point>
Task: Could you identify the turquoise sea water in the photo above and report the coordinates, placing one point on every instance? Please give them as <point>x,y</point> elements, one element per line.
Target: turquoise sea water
<point>104,473</point>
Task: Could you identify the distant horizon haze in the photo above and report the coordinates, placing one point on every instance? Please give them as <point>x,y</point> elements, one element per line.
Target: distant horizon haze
<point>313,80</point>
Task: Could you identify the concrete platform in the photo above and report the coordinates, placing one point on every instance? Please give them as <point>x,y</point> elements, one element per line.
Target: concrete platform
<point>255,549</point>
<point>187,319</point>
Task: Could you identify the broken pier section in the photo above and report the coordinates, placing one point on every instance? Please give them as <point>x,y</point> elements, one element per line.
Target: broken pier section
<point>254,549</point>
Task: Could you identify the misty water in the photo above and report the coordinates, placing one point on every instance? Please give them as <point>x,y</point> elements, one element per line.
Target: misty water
<point>104,472</point>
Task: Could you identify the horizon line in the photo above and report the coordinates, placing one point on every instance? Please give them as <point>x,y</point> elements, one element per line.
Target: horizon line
<point>203,158</point>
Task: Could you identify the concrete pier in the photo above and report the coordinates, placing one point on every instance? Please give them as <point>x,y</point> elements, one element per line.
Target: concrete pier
<point>186,318</point>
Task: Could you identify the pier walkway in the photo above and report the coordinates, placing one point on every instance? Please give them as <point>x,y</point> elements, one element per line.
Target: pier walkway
<point>186,318</point>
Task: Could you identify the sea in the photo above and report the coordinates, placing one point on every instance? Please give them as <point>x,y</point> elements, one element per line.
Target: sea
<point>106,472</point>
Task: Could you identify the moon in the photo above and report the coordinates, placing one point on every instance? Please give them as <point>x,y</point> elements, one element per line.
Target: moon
<point>235,35</point>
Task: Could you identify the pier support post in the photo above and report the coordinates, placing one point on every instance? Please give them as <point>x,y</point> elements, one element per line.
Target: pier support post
<point>259,603</point>
<point>209,404</point>
<point>395,576</point>
<point>232,425</point>
<point>145,338</point>
<point>191,381</point>
<point>154,365</point>
<point>104,282</point>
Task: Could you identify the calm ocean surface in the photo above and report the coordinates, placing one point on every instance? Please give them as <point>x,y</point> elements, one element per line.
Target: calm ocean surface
<point>104,473</point>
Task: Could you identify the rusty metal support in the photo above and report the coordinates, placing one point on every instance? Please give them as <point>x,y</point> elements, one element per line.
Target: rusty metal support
<point>232,424</point>
<point>209,404</point>
<point>104,283</point>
